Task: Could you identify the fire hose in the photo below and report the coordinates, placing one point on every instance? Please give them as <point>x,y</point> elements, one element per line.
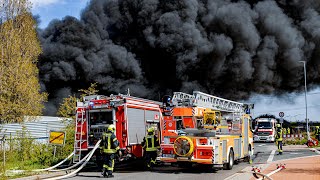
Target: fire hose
<point>183,146</point>
<point>71,167</point>
<point>77,170</point>
<point>49,168</point>
<point>52,167</point>
<point>256,172</point>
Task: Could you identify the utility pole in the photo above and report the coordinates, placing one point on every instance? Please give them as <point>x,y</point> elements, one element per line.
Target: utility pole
<point>305,95</point>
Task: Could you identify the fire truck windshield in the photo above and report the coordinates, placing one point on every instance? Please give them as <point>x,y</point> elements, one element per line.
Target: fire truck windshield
<point>101,118</point>
<point>264,125</point>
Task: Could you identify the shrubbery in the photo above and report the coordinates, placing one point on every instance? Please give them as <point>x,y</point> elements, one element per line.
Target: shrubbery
<point>24,153</point>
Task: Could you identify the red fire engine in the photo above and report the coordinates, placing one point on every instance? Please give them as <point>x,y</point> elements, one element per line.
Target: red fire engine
<point>131,116</point>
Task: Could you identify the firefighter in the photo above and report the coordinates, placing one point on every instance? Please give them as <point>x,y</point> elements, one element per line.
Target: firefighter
<point>150,145</point>
<point>279,138</point>
<point>288,131</point>
<point>317,133</point>
<point>109,147</point>
<point>284,130</point>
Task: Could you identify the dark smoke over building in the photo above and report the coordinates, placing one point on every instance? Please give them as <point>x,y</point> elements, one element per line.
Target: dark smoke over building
<point>227,48</point>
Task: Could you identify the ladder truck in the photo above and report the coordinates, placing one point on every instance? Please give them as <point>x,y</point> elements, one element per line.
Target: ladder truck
<point>206,129</point>
<point>132,116</point>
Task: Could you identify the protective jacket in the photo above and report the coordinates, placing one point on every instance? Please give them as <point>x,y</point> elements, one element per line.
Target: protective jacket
<point>150,143</point>
<point>279,134</point>
<point>110,143</point>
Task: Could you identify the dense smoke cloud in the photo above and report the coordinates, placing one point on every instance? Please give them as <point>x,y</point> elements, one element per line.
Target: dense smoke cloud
<point>153,47</point>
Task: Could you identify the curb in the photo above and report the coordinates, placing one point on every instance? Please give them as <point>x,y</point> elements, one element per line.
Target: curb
<point>240,174</point>
<point>42,176</point>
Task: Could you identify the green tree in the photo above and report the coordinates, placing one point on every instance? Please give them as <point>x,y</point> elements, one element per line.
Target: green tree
<point>19,50</point>
<point>90,91</point>
<point>67,110</point>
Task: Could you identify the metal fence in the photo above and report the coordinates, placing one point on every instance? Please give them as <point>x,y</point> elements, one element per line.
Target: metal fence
<point>38,129</point>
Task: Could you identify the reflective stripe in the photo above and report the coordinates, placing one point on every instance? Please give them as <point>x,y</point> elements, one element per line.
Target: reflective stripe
<point>108,150</point>
<point>152,148</point>
<point>109,168</point>
<point>279,135</point>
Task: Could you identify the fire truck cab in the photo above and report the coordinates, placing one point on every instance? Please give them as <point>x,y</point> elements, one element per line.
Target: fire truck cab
<point>131,116</point>
<point>219,132</point>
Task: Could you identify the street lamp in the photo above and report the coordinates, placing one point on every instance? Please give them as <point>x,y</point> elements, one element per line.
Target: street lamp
<point>305,95</point>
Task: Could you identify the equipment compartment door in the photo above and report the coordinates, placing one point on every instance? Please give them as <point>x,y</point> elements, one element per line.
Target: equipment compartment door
<point>246,134</point>
<point>136,125</point>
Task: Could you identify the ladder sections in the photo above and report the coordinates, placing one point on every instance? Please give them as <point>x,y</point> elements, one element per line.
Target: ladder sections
<point>79,139</point>
<point>205,100</point>
<point>201,99</point>
<point>182,99</point>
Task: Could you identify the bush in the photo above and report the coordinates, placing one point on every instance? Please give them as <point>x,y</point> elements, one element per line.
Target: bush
<point>24,153</point>
<point>295,141</point>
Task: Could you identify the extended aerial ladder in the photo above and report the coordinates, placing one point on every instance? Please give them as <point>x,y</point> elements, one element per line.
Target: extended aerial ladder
<point>221,135</point>
<point>201,99</point>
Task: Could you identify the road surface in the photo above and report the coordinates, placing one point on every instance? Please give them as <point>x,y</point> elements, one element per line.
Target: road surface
<point>264,154</point>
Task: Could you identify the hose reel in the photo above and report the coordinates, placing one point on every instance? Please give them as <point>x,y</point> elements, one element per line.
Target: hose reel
<point>183,146</point>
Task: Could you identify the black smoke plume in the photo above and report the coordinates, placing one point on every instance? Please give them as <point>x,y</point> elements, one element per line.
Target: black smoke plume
<point>153,47</point>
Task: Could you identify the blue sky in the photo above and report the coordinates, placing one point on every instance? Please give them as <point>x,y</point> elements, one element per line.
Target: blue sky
<point>57,9</point>
<point>293,105</point>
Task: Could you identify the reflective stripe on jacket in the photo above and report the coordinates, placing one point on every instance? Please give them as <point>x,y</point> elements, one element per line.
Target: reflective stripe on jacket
<point>110,143</point>
<point>279,135</point>
<point>151,143</point>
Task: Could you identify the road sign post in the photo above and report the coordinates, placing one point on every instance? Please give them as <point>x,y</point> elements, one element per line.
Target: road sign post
<point>57,138</point>
<point>281,120</point>
<point>281,114</point>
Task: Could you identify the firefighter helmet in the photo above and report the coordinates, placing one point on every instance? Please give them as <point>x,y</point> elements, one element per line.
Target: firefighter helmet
<point>111,128</point>
<point>278,125</point>
<point>317,127</point>
<point>150,130</point>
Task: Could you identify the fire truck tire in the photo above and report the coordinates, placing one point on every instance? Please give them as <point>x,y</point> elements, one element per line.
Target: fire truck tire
<point>230,163</point>
<point>247,158</point>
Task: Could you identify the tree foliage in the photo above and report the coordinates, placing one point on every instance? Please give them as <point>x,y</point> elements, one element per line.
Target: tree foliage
<point>67,109</point>
<point>19,50</point>
<point>90,91</point>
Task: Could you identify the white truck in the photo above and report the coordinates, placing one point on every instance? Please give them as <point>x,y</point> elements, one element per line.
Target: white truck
<point>265,129</point>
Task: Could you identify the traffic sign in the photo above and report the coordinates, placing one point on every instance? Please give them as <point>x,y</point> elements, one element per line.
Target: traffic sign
<point>281,114</point>
<point>57,137</point>
<point>281,120</point>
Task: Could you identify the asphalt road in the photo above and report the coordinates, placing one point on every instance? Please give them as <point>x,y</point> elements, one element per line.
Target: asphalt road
<point>263,153</point>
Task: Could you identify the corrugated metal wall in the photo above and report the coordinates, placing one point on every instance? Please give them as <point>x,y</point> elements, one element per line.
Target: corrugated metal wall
<point>38,129</point>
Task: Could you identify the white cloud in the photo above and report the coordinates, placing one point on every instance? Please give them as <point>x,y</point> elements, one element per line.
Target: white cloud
<point>40,3</point>
<point>292,104</point>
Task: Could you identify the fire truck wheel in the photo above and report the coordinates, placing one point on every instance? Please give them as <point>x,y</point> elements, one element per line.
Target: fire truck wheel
<point>247,158</point>
<point>229,165</point>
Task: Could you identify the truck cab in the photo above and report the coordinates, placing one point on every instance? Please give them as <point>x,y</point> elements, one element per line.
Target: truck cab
<point>265,130</point>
